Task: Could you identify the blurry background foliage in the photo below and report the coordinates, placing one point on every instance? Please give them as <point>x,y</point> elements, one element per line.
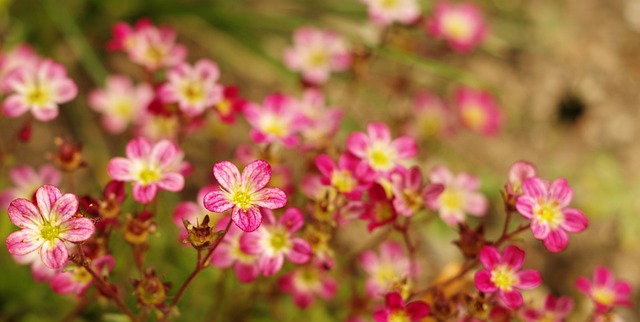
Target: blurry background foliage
<point>565,72</point>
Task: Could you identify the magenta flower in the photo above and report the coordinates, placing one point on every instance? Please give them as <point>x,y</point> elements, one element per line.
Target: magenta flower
<point>274,241</point>
<point>379,211</point>
<point>555,309</point>
<point>386,12</point>
<point>348,176</point>
<point>277,120</point>
<point>26,181</point>
<point>478,111</point>
<point>195,88</point>
<point>397,311</point>
<point>406,185</point>
<point>459,197</point>
<point>377,150</point>
<point>193,212</point>
<point>230,254</point>
<point>385,270</point>
<point>120,102</point>
<point>244,194</point>
<point>76,279</point>
<point>40,89</point>
<point>605,291</point>
<point>149,167</point>
<point>461,25</point>
<point>316,53</point>
<point>546,206</point>
<point>502,274</point>
<point>307,282</point>
<point>47,226</point>
<point>230,104</point>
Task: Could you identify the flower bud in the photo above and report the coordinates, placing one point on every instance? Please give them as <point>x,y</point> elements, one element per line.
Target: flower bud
<point>150,290</point>
<point>471,240</point>
<point>138,229</point>
<point>68,157</point>
<point>203,234</point>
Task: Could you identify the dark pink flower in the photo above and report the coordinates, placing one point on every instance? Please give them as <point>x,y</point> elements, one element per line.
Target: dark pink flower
<point>478,111</point>
<point>397,311</point>
<point>348,176</point>
<point>605,291</point>
<point>555,309</point>
<point>379,210</point>
<point>502,274</point>
<point>461,25</point>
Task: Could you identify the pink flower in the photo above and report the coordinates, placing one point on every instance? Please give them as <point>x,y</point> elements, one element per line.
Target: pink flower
<point>124,36</point>
<point>322,122</point>
<point>274,241</point>
<point>149,167</point>
<point>26,181</point>
<point>157,127</point>
<point>377,150</point>
<point>432,116</point>
<point>307,282</point>
<point>406,185</point>
<point>76,279</point>
<point>120,102</point>
<point>230,104</point>
<point>276,121</point>
<point>397,311</point>
<point>461,25</point>
<point>385,270</point>
<point>47,226</point>
<point>193,212</point>
<point>154,47</point>
<point>502,274</point>
<point>459,197</point>
<point>605,291</point>
<point>386,12</point>
<point>39,89</point>
<point>315,53</point>
<point>478,111</point>
<point>555,309</point>
<point>20,56</point>
<point>230,254</point>
<point>348,176</point>
<point>545,204</point>
<point>244,194</point>
<point>518,172</point>
<point>194,88</point>
<point>379,211</point>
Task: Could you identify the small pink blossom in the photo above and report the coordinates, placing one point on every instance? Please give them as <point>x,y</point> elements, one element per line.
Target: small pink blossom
<point>432,116</point>
<point>385,270</point>
<point>316,53</point>
<point>502,274</point>
<point>322,122</point>
<point>406,185</point>
<point>195,88</point>
<point>348,176</point>
<point>124,35</point>
<point>19,57</point>
<point>277,120</point>
<point>157,127</point>
<point>307,282</point>
<point>76,279</point>
<point>478,111</point>
<point>149,167</point>
<point>155,47</point>
<point>379,211</point>
<point>39,89</point>
<point>605,291</point>
<point>555,309</point>
<point>230,105</point>
<point>378,150</point>
<point>47,226</point>
<point>459,197</point>
<point>193,212</point>
<point>274,241</point>
<point>386,12</point>
<point>230,254</point>
<point>545,204</point>
<point>518,172</point>
<point>397,311</point>
<point>461,25</point>
<point>244,193</point>
<point>120,102</point>
<point>26,180</point>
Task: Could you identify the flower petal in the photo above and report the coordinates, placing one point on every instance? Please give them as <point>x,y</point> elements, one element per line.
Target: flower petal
<point>54,254</point>
<point>120,169</point>
<point>77,229</point>
<point>248,220</point>
<point>23,213</point>
<point>489,257</point>
<point>138,148</point>
<point>560,191</point>
<point>379,132</point>
<point>405,146</point>
<point>144,194</point>
<point>583,285</point>
<point>46,197</point>
<point>227,174</point>
<point>483,282</point>
<point>270,265</point>
<point>574,220</point>
<point>171,181</point>
<point>394,301</point>
<point>476,204</point>
<point>524,205</point>
<point>528,279</point>
<point>325,164</point>
<point>557,241</point>
<point>271,198</point>
<point>164,153</point>
<point>65,207</point>
<point>300,251</point>
<point>292,219</point>
<point>540,230</point>
<point>535,187</point>
<point>602,276</point>
<point>513,256</point>
<point>14,106</point>
<point>247,273</point>
<point>23,242</point>
<point>417,310</point>
<point>512,299</point>
<point>216,201</point>
<point>256,175</point>
<point>357,144</point>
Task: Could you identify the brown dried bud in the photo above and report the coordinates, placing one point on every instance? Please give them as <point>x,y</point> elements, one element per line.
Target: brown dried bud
<point>68,157</point>
<point>442,308</point>
<point>203,234</point>
<point>150,290</point>
<point>471,241</point>
<point>138,229</point>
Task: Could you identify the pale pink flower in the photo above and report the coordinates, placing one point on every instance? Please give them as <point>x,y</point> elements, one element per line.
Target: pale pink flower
<point>386,12</point>
<point>230,254</point>
<point>275,240</point>
<point>195,88</point>
<point>322,122</point>
<point>397,311</point>
<point>385,270</point>
<point>478,111</point>
<point>193,212</point>
<point>316,53</point>
<point>157,127</point>
<point>432,116</point>
<point>459,197</point>
<point>76,279</point>
<point>545,204</point>
<point>377,149</point>
<point>47,226</point>
<point>150,46</point>
<point>244,193</point>
<point>605,291</point>
<point>39,89</point>
<point>307,282</point>
<point>39,271</point>
<point>502,274</point>
<point>26,180</point>
<point>120,102</point>
<point>518,172</point>
<point>555,309</point>
<point>20,56</point>
<point>149,167</point>
<point>277,120</point>
<point>349,176</point>
<point>461,25</point>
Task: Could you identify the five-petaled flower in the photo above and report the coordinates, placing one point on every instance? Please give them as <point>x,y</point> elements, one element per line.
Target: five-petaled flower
<point>478,111</point>
<point>502,274</point>
<point>47,226</point>
<point>386,12</point>
<point>605,291</point>
<point>545,204</point>
<point>149,167</point>
<point>307,282</point>
<point>276,120</point>
<point>397,311</point>
<point>461,25</point>
<point>555,309</point>
<point>195,88</point>
<point>244,193</point>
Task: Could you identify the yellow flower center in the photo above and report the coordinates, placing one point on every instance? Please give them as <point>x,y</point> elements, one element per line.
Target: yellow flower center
<point>548,213</point>
<point>318,58</point>
<point>603,296</point>
<point>504,278</point>
<point>279,241</point>
<point>38,96</point>
<point>49,232</point>
<point>81,275</point>
<point>343,181</point>
<point>148,176</point>
<point>155,54</point>
<point>390,4</point>
<point>380,158</point>
<point>474,116</point>
<point>451,199</point>
<point>270,124</point>
<point>386,274</point>
<point>193,91</point>
<point>123,109</point>
<point>456,26</point>
<point>242,199</point>
<point>399,316</point>
<point>224,107</point>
